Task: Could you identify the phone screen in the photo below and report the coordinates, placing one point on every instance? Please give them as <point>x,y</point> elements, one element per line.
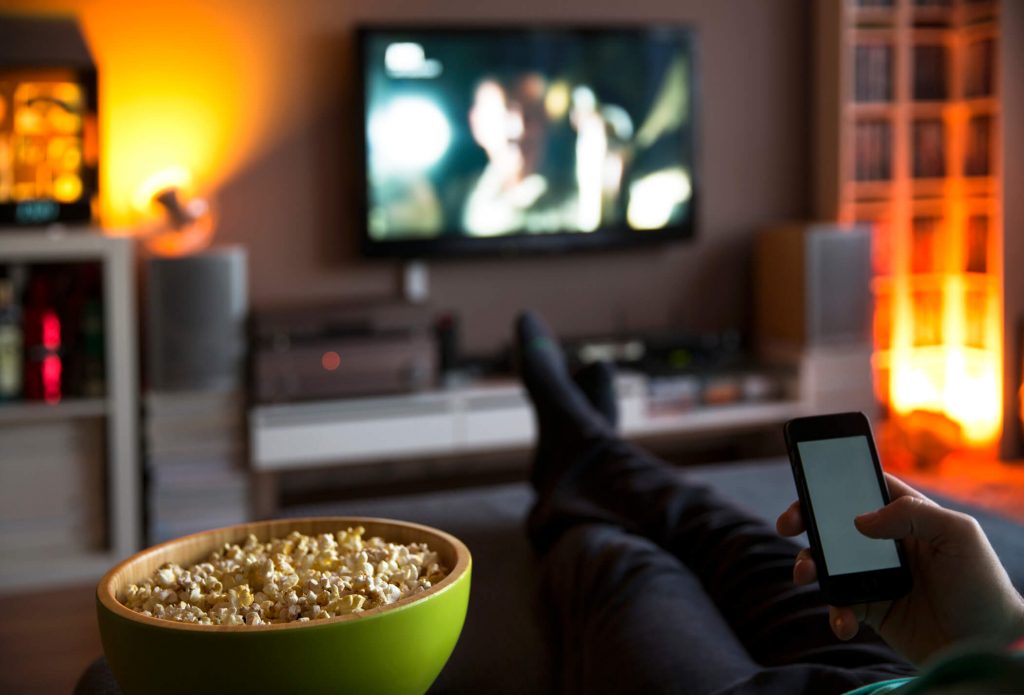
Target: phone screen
<point>842,484</point>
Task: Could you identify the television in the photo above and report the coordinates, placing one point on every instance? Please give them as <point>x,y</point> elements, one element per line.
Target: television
<point>488,140</point>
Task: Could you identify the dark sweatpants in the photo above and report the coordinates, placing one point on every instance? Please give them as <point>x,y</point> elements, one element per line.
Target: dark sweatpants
<point>657,585</point>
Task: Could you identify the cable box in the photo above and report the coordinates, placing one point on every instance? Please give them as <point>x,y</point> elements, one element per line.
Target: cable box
<point>341,351</point>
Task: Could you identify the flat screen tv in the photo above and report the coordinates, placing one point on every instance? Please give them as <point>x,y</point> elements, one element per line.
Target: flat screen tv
<point>503,140</point>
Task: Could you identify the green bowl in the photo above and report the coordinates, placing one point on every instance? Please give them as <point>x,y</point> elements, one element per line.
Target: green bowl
<point>395,649</point>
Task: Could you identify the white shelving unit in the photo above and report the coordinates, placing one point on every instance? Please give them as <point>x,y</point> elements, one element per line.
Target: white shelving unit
<point>491,417</point>
<point>476,419</point>
<point>122,512</point>
<point>494,417</point>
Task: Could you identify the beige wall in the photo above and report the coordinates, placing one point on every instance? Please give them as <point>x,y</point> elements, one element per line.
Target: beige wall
<point>288,196</point>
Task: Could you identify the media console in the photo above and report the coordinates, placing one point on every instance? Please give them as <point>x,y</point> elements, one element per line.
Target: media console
<point>480,418</point>
<point>496,416</point>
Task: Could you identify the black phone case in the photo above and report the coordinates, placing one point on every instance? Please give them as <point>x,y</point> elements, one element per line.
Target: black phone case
<point>860,587</point>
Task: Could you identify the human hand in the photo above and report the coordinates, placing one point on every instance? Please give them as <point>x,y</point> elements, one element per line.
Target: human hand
<point>961,590</point>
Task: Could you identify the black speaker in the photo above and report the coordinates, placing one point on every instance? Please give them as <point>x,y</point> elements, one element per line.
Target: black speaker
<point>813,286</point>
<point>196,310</point>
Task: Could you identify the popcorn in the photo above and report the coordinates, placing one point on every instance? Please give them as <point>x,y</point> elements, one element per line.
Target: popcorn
<point>298,578</point>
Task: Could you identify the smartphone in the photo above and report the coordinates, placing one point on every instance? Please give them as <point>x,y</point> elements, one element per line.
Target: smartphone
<point>838,476</point>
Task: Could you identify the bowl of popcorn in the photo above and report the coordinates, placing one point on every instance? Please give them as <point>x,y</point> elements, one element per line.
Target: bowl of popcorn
<point>319,605</point>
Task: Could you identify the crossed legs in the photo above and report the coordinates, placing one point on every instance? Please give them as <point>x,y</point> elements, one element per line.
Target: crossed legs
<point>655,584</point>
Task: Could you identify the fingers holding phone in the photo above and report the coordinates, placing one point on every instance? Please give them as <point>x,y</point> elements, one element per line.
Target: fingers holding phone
<point>839,477</point>
<point>961,591</point>
<point>912,515</point>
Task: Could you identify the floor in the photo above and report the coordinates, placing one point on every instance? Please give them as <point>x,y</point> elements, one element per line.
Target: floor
<point>47,639</point>
<point>992,485</point>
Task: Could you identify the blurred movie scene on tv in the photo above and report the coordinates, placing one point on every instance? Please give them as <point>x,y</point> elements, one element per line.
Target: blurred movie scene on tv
<point>474,133</point>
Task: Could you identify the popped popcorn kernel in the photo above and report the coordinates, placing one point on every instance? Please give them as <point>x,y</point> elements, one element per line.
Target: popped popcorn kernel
<point>297,578</point>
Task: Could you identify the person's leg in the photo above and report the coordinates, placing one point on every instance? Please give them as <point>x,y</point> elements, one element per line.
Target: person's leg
<point>629,617</point>
<point>584,473</point>
<point>595,380</point>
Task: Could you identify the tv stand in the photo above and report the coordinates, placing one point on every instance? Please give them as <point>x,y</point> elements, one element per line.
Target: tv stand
<point>482,418</point>
<point>495,416</point>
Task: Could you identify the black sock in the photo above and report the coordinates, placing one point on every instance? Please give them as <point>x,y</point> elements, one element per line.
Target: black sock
<point>564,415</point>
<point>597,382</point>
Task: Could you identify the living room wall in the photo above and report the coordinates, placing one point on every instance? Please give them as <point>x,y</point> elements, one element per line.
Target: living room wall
<point>273,82</point>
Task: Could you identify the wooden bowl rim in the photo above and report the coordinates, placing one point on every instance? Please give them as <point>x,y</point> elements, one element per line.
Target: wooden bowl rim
<point>463,562</point>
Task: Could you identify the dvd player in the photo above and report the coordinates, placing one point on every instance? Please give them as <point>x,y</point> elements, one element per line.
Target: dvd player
<point>339,351</point>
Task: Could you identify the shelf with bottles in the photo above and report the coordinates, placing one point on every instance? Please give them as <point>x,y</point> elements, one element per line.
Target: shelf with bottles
<point>51,332</point>
<point>68,420</point>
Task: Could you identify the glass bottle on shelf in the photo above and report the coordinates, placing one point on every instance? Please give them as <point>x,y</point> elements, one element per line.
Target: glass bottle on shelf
<point>42,326</point>
<point>93,379</point>
<point>10,342</point>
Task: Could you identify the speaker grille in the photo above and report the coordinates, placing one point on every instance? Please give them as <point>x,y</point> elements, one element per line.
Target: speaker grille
<point>196,310</point>
<point>838,290</point>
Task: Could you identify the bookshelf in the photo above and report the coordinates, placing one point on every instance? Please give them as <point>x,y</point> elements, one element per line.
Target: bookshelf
<point>73,464</point>
<point>909,125</point>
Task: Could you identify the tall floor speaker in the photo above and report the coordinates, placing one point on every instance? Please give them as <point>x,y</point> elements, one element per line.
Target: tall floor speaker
<point>813,285</point>
<point>814,308</point>
<point>196,310</point>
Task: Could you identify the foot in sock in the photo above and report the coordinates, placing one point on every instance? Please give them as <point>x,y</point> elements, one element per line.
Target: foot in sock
<point>597,382</point>
<point>565,418</point>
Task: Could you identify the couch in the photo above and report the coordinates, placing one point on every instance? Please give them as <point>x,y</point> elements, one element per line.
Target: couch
<point>503,647</point>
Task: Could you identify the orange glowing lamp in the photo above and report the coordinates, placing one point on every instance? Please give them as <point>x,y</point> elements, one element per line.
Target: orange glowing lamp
<point>179,222</point>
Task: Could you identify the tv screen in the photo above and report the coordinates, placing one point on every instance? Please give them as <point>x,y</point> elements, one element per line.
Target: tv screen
<point>487,140</point>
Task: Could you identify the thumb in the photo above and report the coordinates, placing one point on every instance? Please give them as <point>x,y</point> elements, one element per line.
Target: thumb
<point>909,517</point>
